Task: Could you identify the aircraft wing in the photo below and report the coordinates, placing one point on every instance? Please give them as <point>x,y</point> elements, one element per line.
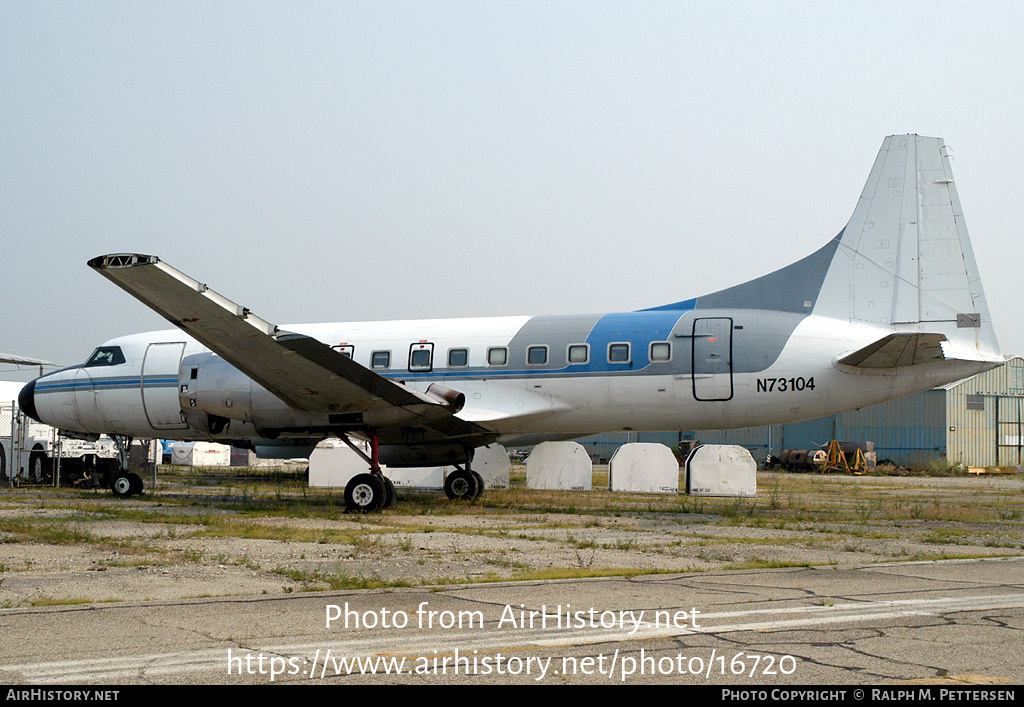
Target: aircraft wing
<point>897,350</point>
<point>305,373</point>
<point>24,360</point>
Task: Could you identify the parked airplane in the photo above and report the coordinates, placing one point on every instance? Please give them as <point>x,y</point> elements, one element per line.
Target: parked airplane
<point>891,306</point>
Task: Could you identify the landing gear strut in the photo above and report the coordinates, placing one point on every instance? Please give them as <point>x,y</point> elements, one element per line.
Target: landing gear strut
<point>464,484</point>
<point>369,492</point>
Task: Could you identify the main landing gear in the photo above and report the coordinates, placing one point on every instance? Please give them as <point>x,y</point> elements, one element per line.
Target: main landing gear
<point>463,484</point>
<point>372,491</point>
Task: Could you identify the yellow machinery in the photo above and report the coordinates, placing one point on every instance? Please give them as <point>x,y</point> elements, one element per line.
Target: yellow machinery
<point>836,460</point>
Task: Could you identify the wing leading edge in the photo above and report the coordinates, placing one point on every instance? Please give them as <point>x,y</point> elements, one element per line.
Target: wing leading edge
<point>303,372</point>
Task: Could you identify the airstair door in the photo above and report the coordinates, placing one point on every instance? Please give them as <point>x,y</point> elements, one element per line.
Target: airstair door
<point>160,385</point>
<point>712,358</point>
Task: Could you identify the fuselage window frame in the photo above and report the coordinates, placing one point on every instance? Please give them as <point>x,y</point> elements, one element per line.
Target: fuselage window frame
<point>569,354</point>
<point>346,350</point>
<point>495,350</point>
<point>386,354</point>
<point>531,350</point>
<point>618,346</point>
<point>418,348</point>
<point>464,354</point>
<point>650,351</point>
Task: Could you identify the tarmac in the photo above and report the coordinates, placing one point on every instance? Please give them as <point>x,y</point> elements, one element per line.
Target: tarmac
<point>951,622</point>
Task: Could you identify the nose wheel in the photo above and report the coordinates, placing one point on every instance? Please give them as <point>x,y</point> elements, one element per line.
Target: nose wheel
<point>123,483</point>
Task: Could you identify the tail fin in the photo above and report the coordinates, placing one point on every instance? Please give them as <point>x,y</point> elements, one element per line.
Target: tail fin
<point>904,260</point>
<point>903,264</point>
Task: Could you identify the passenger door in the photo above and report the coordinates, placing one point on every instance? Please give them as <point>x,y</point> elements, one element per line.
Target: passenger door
<point>160,385</point>
<point>712,358</point>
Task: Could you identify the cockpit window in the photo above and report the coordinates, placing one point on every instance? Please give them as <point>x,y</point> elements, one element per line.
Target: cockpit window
<point>105,356</point>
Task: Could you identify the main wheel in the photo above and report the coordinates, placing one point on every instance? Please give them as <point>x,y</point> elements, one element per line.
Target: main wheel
<point>121,486</point>
<point>389,494</point>
<point>479,485</point>
<point>461,485</point>
<point>364,493</point>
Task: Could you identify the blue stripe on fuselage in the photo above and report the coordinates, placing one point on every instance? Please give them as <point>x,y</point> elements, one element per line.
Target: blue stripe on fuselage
<point>638,329</point>
<point>112,383</point>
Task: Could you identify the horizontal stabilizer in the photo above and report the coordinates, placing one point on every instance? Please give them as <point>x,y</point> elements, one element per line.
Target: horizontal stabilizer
<point>897,350</point>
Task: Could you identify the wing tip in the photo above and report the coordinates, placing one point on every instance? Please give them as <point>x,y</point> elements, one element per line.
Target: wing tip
<point>121,260</point>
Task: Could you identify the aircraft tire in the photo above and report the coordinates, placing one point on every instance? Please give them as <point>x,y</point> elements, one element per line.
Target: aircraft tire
<point>364,493</point>
<point>39,466</point>
<point>479,485</point>
<point>121,486</point>
<point>136,484</point>
<point>389,494</point>
<point>462,485</point>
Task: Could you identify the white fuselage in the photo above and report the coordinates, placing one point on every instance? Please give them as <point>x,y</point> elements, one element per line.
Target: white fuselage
<point>140,397</point>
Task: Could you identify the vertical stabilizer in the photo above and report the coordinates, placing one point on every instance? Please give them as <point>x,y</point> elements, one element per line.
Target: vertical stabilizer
<point>904,260</point>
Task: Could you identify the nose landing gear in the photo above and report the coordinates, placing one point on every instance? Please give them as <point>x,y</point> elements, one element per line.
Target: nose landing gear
<point>123,483</point>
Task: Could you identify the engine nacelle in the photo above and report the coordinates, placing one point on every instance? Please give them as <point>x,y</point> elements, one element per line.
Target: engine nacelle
<point>212,392</point>
<point>218,399</point>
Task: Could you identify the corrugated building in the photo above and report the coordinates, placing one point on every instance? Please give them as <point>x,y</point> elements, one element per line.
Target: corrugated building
<point>978,421</point>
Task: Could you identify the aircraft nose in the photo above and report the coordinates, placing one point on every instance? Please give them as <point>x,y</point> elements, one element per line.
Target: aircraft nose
<point>27,401</point>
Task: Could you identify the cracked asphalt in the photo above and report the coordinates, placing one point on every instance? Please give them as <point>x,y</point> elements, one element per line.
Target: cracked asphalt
<point>820,580</point>
<point>946,622</point>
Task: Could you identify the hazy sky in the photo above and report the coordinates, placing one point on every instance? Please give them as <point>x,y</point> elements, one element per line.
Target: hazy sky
<point>377,160</point>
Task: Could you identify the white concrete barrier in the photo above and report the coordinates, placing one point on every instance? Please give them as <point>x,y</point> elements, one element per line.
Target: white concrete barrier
<point>643,467</point>
<point>332,464</point>
<point>721,470</point>
<point>564,466</point>
<point>491,462</point>
<point>200,454</point>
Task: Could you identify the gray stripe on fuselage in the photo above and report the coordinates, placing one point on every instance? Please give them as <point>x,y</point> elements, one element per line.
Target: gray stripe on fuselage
<point>554,331</point>
<point>793,288</point>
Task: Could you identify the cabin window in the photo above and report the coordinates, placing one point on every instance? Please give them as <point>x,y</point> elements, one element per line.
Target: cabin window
<point>346,350</point>
<point>106,356</point>
<point>497,356</point>
<point>421,356</point>
<point>661,351</point>
<point>380,359</point>
<point>579,353</point>
<point>618,353</point>
<point>537,355</point>
<point>458,357</point>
